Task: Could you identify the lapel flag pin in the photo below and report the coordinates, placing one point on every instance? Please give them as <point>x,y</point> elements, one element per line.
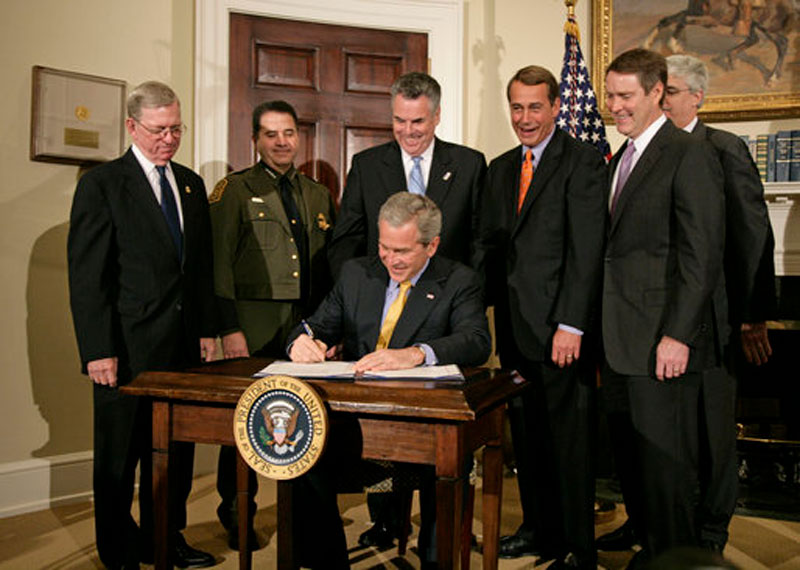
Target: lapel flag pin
<point>430,296</point>
<point>447,176</point>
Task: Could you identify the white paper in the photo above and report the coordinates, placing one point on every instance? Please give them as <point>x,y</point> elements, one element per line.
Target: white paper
<point>341,369</point>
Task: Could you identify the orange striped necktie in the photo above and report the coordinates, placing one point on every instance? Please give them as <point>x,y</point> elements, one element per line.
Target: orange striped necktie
<point>525,178</point>
<point>392,316</point>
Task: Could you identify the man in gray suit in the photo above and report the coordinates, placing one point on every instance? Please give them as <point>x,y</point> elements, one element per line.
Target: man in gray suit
<point>662,284</point>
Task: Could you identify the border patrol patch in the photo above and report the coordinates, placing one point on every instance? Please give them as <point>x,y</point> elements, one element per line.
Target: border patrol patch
<point>219,190</point>
<point>280,426</point>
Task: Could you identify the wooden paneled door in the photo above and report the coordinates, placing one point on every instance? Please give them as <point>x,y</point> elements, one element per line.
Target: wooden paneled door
<point>336,77</point>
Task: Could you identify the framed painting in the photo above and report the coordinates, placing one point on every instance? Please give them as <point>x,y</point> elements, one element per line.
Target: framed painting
<point>76,118</point>
<point>751,49</point>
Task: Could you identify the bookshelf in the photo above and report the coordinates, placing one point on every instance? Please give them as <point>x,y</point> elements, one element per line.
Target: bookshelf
<point>783,203</point>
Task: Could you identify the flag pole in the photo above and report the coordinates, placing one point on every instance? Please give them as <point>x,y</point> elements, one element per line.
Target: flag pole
<point>571,26</point>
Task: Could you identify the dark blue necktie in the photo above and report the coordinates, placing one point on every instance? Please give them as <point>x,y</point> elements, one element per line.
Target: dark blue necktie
<point>170,210</point>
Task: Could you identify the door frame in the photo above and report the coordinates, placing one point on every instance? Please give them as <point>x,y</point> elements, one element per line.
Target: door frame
<point>442,20</point>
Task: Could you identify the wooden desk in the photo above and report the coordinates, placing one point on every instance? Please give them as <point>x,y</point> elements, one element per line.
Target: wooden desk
<point>412,421</point>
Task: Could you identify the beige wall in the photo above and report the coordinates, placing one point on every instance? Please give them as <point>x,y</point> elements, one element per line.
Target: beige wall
<point>45,409</point>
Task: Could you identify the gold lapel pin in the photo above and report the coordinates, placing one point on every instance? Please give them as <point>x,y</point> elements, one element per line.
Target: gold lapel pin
<point>188,190</point>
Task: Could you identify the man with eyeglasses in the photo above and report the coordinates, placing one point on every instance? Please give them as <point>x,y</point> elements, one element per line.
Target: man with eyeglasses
<point>750,283</point>
<point>142,298</point>
<point>271,226</point>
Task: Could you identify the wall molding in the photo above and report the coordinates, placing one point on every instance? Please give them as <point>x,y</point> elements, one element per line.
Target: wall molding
<point>36,484</point>
<point>442,20</point>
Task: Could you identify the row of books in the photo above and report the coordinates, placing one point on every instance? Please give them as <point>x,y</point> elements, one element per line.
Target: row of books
<point>777,155</point>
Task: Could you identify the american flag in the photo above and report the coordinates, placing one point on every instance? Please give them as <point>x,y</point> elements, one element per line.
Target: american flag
<point>578,114</point>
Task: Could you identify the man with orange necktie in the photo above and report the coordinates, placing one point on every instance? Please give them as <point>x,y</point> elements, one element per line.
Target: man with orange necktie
<point>440,320</point>
<point>542,230</point>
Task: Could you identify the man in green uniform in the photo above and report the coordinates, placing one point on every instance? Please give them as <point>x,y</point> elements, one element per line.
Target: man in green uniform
<point>271,225</point>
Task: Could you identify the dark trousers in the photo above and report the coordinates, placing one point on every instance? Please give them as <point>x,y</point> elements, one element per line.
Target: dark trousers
<point>227,511</point>
<point>654,430</point>
<point>552,430</point>
<point>719,484</point>
<point>122,438</point>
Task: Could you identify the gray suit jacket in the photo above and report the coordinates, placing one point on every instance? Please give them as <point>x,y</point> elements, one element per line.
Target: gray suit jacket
<point>663,260</point>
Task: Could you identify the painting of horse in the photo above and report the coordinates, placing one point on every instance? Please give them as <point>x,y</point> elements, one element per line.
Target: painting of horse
<point>751,47</point>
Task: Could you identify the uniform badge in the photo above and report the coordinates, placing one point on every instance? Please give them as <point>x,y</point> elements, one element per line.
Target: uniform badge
<point>322,222</point>
<point>219,190</point>
<point>280,427</point>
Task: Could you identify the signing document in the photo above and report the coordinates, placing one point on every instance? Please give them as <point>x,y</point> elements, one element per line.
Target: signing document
<point>342,369</point>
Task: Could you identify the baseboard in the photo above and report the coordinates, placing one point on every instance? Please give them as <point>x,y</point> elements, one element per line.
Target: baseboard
<point>36,484</point>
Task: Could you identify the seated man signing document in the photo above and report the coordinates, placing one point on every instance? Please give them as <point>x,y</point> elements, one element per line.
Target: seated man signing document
<point>403,309</point>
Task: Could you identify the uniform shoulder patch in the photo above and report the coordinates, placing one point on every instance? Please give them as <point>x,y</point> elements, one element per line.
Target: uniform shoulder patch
<point>219,190</point>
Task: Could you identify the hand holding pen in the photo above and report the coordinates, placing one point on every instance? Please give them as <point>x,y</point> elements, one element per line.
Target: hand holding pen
<point>306,348</point>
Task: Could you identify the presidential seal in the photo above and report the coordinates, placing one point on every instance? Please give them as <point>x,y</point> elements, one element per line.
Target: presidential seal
<point>280,426</point>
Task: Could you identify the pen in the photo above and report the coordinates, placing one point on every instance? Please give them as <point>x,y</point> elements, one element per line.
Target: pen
<point>307,328</point>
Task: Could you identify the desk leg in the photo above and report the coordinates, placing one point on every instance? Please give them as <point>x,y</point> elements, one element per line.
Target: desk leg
<point>286,555</point>
<point>245,519</point>
<point>492,492</point>
<point>162,419</point>
<point>449,495</point>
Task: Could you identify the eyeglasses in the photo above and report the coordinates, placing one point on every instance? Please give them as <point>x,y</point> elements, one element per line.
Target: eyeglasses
<point>675,90</point>
<point>161,132</point>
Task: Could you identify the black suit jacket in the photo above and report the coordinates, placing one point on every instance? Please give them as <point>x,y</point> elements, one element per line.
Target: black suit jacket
<point>131,296</point>
<point>543,266</point>
<point>749,243</point>
<point>455,184</point>
<point>444,310</point>
<point>663,261</point>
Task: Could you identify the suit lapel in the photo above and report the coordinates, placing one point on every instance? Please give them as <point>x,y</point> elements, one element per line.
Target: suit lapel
<point>421,300</point>
<point>392,175</point>
<point>138,186</point>
<point>644,165</point>
<point>442,172</point>
<point>547,166</point>
<point>373,297</point>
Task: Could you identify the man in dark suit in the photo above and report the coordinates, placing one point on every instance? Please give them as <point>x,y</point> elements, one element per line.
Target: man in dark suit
<point>542,231</point>
<point>271,226</point>
<point>449,174</point>
<point>141,290</point>
<point>662,295</point>
<point>400,309</point>
<point>750,282</point>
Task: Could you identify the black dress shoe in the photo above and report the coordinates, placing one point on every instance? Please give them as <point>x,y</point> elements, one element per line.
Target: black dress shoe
<point>515,546</point>
<point>623,538</point>
<point>184,556</point>
<point>378,535</point>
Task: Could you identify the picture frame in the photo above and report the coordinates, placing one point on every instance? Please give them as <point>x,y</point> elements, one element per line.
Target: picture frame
<point>76,118</point>
<point>745,83</point>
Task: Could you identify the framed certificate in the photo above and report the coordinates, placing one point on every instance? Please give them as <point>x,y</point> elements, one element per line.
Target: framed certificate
<point>76,118</point>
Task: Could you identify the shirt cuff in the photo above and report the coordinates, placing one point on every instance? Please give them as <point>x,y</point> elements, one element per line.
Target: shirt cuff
<point>570,329</point>
<point>430,356</point>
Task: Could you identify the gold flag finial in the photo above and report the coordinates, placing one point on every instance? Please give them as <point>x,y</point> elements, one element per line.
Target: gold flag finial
<point>571,26</point>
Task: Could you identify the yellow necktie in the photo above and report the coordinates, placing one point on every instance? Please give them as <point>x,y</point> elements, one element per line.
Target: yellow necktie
<point>525,178</point>
<point>392,316</point>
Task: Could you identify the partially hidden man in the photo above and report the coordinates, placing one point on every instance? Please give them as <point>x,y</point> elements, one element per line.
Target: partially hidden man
<point>542,232</point>
<point>271,226</point>
<point>142,297</point>
<point>402,308</point>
